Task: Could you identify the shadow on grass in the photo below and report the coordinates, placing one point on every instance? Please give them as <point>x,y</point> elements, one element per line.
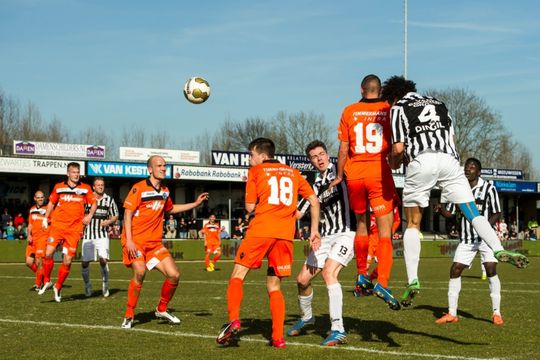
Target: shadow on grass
<point>439,311</point>
<point>368,330</point>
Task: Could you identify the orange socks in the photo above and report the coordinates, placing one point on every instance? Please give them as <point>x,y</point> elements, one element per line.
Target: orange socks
<point>167,292</point>
<point>48,264</point>
<point>63,273</point>
<point>361,245</point>
<point>39,276</point>
<point>277,309</point>
<point>134,291</point>
<point>384,255</point>
<point>235,292</point>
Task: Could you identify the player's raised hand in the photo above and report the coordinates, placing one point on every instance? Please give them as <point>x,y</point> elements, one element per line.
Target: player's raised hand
<point>335,182</point>
<point>202,197</point>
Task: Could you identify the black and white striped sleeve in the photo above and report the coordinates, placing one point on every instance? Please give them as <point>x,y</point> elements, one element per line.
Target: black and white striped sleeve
<point>493,200</point>
<point>303,206</point>
<point>398,126</point>
<point>113,209</point>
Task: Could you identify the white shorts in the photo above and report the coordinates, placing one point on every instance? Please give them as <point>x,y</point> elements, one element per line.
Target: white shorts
<point>338,247</point>
<point>94,248</point>
<point>465,253</point>
<point>430,169</point>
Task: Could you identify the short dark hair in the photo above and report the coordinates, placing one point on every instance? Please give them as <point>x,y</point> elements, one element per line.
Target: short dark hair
<point>98,178</point>
<point>371,83</point>
<point>396,87</point>
<point>314,144</point>
<point>74,164</point>
<point>475,161</point>
<point>263,146</point>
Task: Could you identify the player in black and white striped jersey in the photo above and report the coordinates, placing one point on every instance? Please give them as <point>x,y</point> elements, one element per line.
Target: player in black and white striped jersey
<point>423,138</point>
<point>95,242</point>
<point>337,229</point>
<point>487,202</point>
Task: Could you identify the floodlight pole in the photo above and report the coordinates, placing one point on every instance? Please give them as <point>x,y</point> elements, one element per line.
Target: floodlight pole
<point>405,40</point>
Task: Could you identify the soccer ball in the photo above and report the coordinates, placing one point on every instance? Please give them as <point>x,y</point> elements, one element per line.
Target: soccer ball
<point>197,90</point>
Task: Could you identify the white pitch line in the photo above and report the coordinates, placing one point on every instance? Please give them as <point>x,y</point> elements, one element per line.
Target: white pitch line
<point>247,339</point>
<point>316,284</point>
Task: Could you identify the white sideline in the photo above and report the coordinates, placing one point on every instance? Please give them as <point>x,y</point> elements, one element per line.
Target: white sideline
<point>247,339</point>
<point>292,283</point>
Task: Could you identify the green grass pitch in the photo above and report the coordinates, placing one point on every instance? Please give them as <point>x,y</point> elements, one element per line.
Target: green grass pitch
<point>35,327</point>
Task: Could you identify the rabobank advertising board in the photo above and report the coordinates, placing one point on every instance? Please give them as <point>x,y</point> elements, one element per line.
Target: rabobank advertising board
<point>209,173</point>
<point>121,169</point>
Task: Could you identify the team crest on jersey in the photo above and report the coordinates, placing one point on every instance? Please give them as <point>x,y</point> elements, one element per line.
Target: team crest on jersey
<point>134,190</point>
<point>242,255</point>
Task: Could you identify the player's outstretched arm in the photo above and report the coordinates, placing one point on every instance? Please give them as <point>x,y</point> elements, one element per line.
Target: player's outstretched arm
<point>342,159</point>
<point>314,211</point>
<point>397,155</point>
<point>130,245</point>
<point>45,222</point>
<point>88,217</point>
<point>177,208</point>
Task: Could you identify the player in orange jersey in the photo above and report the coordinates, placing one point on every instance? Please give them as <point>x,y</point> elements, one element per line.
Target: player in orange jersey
<point>37,238</point>
<point>372,254</point>
<point>365,135</point>
<point>272,191</point>
<point>212,242</point>
<point>67,204</point>
<point>142,247</point>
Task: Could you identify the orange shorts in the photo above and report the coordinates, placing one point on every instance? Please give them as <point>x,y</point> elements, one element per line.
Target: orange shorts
<point>37,248</point>
<point>67,238</point>
<point>151,253</point>
<point>279,253</point>
<point>213,249</point>
<point>375,192</point>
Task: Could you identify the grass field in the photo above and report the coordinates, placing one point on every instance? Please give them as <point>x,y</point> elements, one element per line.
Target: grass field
<point>34,327</point>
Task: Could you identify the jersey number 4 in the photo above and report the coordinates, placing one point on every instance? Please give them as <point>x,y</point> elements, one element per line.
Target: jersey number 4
<point>280,191</point>
<point>369,142</point>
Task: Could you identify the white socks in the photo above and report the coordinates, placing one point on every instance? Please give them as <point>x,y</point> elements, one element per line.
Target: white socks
<point>305,306</point>
<point>411,252</point>
<point>495,293</point>
<point>454,287</point>
<point>86,275</point>
<point>486,232</point>
<point>104,273</point>
<point>335,305</point>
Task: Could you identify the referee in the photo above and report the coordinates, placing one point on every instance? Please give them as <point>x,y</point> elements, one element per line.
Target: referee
<point>487,202</point>
<point>96,238</point>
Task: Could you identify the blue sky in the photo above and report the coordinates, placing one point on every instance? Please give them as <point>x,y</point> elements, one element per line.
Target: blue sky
<point>119,64</point>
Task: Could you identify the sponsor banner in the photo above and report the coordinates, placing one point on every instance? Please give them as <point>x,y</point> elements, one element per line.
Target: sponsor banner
<point>241,159</point>
<point>171,156</point>
<point>516,186</point>
<point>37,148</point>
<point>118,169</point>
<point>502,173</point>
<point>36,166</point>
<point>209,173</point>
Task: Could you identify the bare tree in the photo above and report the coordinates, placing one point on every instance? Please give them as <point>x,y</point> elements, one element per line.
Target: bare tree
<point>290,132</point>
<point>133,136</point>
<point>159,139</point>
<point>204,144</point>
<point>481,133</point>
<point>301,128</point>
